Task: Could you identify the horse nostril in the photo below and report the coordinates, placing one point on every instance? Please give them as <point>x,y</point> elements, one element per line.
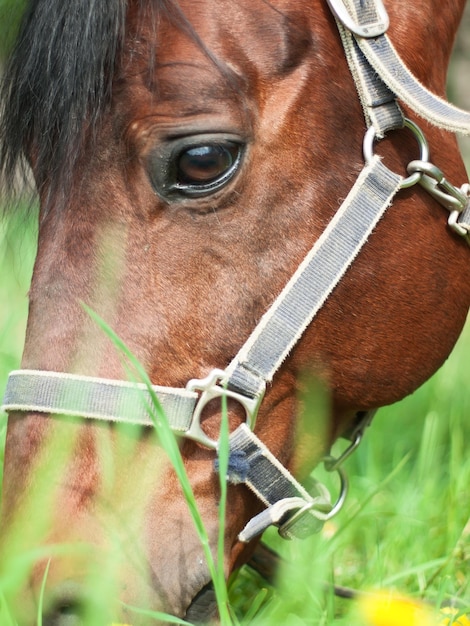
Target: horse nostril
<point>62,617</point>
<point>203,608</point>
<point>65,612</point>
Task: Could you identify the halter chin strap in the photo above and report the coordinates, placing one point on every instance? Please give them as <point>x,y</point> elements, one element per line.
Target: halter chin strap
<point>375,66</point>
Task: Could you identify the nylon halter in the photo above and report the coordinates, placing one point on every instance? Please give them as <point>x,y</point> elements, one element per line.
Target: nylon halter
<point>381,78</point>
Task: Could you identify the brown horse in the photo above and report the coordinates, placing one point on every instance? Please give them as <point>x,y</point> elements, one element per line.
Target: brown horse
<point>187,156</point>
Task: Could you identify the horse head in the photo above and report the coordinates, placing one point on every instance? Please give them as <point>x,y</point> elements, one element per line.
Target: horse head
<point>187,157</point>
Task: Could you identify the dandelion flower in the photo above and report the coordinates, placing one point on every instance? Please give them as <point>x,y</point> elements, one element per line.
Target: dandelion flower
<point>462,620</point>
<point>388,609</point>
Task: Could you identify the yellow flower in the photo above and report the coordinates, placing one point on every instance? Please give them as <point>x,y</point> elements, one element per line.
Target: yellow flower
<point>389,609</point>
<point>462,620</point>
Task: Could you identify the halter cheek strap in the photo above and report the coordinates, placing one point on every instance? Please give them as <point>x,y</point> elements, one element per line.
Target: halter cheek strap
<point>375,67</point>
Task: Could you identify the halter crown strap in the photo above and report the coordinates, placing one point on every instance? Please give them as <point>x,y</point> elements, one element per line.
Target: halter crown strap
<point>388,67</point>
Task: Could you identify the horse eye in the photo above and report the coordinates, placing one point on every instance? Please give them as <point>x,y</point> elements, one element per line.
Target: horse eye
<point>194,167</point>
<point>205,164</point>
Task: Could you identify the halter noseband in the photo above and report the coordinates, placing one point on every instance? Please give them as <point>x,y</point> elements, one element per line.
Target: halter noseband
<point>381,78</point>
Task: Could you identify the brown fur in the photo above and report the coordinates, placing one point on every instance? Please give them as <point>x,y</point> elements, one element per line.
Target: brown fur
<point>184,283</point>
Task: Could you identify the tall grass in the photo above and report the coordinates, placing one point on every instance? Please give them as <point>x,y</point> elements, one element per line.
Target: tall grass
<point>17,252</point>
<point>405,525</point>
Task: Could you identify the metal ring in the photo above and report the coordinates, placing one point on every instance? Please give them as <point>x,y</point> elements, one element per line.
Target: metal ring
<point>344,487</point>
<point>332,464</point>
<point>368,149</point>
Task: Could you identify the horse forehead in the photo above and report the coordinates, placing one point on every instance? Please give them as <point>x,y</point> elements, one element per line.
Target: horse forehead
<point>269,38</point>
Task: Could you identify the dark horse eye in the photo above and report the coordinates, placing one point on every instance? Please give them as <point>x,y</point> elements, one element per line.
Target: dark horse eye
<point>205,164</point>
<point>194,167</point>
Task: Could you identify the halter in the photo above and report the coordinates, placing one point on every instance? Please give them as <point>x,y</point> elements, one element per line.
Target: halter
<point>381,78</point>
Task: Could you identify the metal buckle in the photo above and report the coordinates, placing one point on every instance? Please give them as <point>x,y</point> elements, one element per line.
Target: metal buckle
<point>452,198</point>
<point>316,521</point>
<point>321,513</point>
<point>457,227</point>
<point>368,149</point>
<point>373,29</point>
<point>331,464</point>
<point>210,388</point>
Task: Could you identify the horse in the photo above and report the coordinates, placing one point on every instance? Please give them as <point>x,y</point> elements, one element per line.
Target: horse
<point>187,157</point>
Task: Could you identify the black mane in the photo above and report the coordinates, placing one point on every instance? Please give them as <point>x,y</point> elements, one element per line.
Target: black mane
<point>59,79</point>
<point>58,76</point>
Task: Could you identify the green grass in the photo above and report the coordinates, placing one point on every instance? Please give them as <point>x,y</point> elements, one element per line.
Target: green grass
<point>405,525</point>
<point>17,252</point>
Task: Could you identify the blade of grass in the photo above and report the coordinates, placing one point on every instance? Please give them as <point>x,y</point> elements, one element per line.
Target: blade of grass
<point>6,618</point>
<point>256,605</point>
<point>41,594</point>
<point>223,457</point>
<point>156,615</point>
<point>169,442</point>
<point>417,569</point>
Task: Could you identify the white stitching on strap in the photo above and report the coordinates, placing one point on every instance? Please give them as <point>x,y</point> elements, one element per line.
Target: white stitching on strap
<point>316,277</point>
<point>95,398</point>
